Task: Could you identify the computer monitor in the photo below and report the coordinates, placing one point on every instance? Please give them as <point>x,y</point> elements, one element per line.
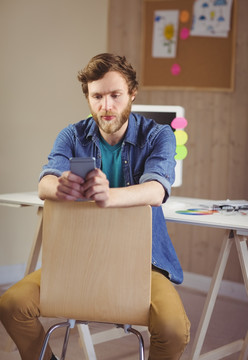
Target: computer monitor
<point>164,114</point>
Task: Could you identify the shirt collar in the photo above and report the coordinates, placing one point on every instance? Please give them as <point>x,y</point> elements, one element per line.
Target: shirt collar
<point>93,130</point>
<point>131,133</point>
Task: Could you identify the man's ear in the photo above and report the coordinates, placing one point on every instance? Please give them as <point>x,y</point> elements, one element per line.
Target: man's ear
<point>134,96</point>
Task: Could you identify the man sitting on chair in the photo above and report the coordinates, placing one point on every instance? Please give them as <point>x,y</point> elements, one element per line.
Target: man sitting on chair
<point>135,166</point>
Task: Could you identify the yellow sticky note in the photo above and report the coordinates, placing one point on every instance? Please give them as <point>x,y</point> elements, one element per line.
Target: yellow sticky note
<point>181,137</point>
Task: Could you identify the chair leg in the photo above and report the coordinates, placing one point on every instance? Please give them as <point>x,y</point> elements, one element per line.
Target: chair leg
<point>128,328</point>
<point>69,324</point>
<point>47,337</point>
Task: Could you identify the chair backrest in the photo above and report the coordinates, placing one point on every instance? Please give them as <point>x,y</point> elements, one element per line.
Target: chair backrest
<point>96,263</point>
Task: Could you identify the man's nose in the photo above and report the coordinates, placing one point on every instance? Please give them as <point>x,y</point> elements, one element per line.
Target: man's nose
<point>107,103</point>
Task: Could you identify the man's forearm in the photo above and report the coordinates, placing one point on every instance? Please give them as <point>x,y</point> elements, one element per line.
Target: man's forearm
<point>47,187</point>
<point>148,193</point>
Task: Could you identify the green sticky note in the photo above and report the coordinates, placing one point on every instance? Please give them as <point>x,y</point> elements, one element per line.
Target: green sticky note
<point>181,151</point>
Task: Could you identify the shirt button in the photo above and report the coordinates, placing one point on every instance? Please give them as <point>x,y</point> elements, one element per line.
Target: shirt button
<point>128,183</point>
<point>125,162</point>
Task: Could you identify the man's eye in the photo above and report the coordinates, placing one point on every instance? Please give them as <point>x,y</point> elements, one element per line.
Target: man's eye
<point>115,96</point>
<point>97,97</point>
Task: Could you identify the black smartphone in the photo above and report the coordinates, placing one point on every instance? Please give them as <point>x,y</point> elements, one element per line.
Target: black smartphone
<point>82,166</point>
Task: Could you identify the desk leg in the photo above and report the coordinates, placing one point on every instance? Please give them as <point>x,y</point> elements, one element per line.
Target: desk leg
<point>211,297</point>
<point>241,244</point>
<point>244,350</point>
<point>36,246</point>
<point>86,342</point>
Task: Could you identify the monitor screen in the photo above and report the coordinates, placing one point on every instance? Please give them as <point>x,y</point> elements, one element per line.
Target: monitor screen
<point>163,114</point>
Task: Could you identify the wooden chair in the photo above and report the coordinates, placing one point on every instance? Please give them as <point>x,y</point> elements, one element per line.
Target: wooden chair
<point>96,266</point>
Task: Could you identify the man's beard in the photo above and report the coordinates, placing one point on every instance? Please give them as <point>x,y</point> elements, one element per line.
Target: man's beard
<point>112,126</point>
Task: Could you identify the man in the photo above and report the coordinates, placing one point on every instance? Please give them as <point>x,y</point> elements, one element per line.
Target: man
<point>135,166</point>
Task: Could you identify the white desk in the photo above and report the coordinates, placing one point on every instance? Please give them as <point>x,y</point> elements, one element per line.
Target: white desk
<point>237,225</point>
<point>238,234</point>
<point>235,222</point>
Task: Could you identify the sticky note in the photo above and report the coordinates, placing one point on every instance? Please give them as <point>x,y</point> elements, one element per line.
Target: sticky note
<point>184,33</point>
<point>184,16</point>
<point>181,152</point>
<point>181,137</point>
<point>175,69</point>
<point>179,123</point>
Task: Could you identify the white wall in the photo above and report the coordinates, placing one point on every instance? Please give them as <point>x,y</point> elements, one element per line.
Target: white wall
<point>43,44</point>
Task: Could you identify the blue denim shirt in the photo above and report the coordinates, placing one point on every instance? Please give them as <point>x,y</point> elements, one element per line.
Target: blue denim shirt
<point>148,151</point>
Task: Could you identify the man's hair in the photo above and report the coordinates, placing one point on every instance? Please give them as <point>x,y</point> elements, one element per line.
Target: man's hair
<point>101,64</point>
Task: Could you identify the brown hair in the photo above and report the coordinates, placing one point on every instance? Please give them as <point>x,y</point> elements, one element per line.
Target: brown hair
<point>100,64</point>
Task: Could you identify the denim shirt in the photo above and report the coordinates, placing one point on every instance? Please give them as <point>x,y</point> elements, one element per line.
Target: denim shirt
<point>148,151</point>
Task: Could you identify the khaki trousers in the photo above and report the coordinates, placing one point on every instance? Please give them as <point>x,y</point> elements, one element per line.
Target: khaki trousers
<point>168,324</point>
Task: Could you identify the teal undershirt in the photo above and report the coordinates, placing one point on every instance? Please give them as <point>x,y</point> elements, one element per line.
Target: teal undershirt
<point>111,163</point>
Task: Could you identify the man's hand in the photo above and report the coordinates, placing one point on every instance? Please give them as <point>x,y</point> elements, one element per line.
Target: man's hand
<point>96,187</point>
<point>69,186</point>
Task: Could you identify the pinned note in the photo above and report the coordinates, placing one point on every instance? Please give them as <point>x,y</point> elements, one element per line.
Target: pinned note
<point>181,137</point>
<point>179,123</point>
<point>181,152</point>
<point>184,16</point>
<point>175,69</point>
<point>184,33</point>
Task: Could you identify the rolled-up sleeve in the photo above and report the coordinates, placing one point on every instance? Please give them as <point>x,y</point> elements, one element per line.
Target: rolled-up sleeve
<point>62,151</point>
<point>160,164</point>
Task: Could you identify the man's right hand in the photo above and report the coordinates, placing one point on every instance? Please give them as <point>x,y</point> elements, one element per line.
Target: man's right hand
<point>69,186</point>
<point>65,187</point>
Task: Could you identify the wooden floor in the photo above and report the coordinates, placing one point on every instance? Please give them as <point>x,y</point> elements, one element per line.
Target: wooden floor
<point>229,323</point>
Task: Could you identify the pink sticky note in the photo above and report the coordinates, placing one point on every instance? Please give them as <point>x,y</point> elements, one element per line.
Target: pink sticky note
<point>175,69</point>
<point>179,123</point>
<point>184,33</point>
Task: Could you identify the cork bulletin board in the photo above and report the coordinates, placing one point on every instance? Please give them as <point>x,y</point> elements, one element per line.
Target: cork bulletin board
<point>199,62</point>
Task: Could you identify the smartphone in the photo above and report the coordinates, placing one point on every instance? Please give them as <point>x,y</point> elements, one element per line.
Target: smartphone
<point>82,166</point>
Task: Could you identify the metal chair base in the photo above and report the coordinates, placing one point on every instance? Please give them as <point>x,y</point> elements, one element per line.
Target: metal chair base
<point>70,324</point>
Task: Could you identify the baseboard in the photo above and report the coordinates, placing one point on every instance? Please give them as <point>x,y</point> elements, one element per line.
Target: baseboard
<point>201,283</point>
<point>10,274</point>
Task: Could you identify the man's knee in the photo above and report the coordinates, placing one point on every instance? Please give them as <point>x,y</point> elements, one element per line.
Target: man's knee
<point>20,302</point>
<point>170,333</point>
<point>174,330</point>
